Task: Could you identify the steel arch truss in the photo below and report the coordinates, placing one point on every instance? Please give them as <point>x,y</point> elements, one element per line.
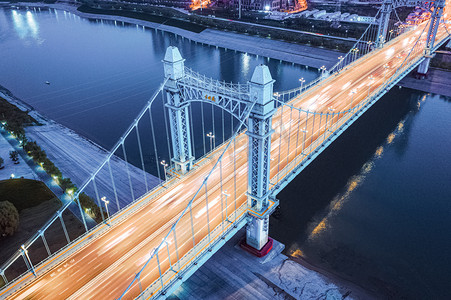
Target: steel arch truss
<point>233,98</point>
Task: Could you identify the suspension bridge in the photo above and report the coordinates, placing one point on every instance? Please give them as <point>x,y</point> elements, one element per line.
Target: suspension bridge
<point>148,248</point>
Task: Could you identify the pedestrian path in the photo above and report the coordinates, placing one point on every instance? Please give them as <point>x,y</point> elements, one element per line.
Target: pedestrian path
<point>10,169</point>
<point>41,174</point>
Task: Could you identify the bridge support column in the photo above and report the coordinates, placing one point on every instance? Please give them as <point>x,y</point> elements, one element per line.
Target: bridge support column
<point>423,68</point>
<point>383,23</point>
<point>174,70</point>
<point>259,134</point>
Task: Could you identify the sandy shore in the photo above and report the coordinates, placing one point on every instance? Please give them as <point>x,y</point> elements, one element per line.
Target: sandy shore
<point>280,50</point>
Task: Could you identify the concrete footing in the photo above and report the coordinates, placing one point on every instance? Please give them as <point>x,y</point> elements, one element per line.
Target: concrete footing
<point>259,253</point>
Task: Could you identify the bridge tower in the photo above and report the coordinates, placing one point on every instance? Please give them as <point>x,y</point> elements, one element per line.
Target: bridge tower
<point>174,70</point>
<point>259,133</point>
<point>432,32</point>
<point>384,19</point>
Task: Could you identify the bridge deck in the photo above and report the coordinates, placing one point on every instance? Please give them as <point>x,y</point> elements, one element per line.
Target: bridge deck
<point>107,263</point>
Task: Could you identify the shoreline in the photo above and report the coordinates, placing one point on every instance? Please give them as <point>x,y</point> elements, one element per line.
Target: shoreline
<point>235,273</point>
<point>358,291</point>
<point>329,276</point>
<point>78,157</point>
<point>437,82</point>
<point>278,50</point>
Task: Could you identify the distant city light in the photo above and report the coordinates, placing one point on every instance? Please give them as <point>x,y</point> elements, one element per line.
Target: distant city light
<point>267,8</point>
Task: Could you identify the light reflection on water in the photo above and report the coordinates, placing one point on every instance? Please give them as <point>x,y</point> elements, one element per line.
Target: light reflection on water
<point>25,25</point>
<point>387,226</point>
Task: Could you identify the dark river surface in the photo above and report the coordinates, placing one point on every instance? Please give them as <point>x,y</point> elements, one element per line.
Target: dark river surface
<point>374,208</point>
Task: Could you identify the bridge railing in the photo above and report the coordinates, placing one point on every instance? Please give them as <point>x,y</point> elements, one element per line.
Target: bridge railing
<point>171,267</point>
<point>329,125</point>
<point>366,44</point>
<point>94,227</point>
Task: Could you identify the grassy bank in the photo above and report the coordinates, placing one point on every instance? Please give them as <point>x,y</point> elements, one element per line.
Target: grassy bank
<point>24,193</point>
<point>15,120</point>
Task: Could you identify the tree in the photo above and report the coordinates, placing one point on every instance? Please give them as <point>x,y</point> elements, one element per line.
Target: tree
<point>1,163</point>
<point>9,218</point>
<point>13,155</point>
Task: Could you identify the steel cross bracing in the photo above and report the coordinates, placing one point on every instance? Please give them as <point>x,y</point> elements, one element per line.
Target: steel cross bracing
<point>294,125</point>
<point>233,98</point>
<point>437,13</point>
<point>410,3</point>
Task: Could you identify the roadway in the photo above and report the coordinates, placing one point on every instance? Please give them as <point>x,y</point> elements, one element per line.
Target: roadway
<point>107,264</point>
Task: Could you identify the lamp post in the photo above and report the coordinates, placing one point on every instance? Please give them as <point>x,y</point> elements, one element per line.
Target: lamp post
<point>331,109</point>
<point>27,258</point>
<point>355,50</point>
<point>391,32</point>
<point>302,80</point>
<point>340,59</point>
<point>70,192</point>
<point>211,136</point>
<point>385,71</point>
<point>371,82</point>
<point>106,205</point>
<point>381,40</point>
<point>226,195</point>
<point>165,165</point>
<point>304,130</point>
<point>369,43</point>
<point>352,97</point>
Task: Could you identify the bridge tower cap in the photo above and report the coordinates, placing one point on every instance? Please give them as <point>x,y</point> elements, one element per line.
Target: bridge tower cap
<point>261,75</point>
<point>172,55</point>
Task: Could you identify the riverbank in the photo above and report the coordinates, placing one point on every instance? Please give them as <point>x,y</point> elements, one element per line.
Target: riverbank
<point>275,49</point>
<point>437,82</point>
<point>232,273</point>
<point>78,157</point>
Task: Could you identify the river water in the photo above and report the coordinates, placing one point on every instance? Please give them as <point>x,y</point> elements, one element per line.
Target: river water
<point>374,208</point>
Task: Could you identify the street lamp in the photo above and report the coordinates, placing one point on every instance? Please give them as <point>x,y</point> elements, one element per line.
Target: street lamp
<point>331,109</point>
<point>352,97</point>
<point>355,50</point>
<point>391,32</point>
<point>211,136</point>
<point>369,45</point>
<point>165,165</point>
<point>304,130</point>
<point>371,82</point>
<point>27,258</point>
<point>12,176</point>
<point>106,205</point>
<point>386,67</point>
<point>340,58</point>
<point>302,80</point>
<point>70,192</point>
<point>226,195</point>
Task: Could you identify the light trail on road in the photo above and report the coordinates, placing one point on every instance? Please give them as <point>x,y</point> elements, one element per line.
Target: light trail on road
<point>108,263</point>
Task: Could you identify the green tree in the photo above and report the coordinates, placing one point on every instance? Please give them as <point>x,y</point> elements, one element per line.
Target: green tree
<point>1,162</point>
<point>13,155</point>
<point>9,218</point>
